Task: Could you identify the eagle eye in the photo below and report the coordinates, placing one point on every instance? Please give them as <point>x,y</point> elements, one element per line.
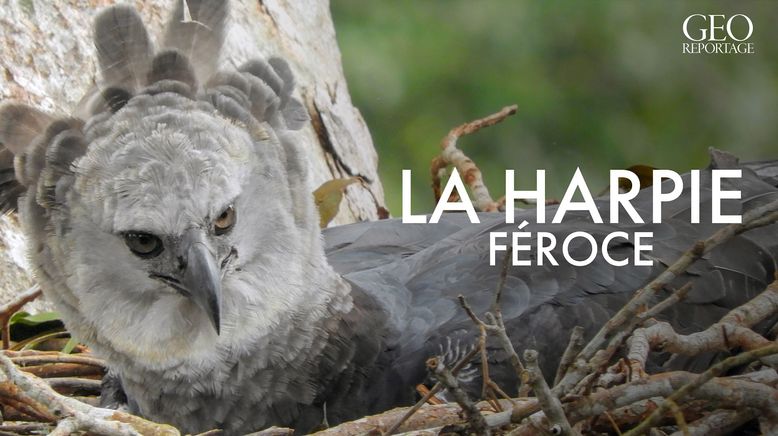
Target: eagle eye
<point>144,245</point>
<point>224,222</point>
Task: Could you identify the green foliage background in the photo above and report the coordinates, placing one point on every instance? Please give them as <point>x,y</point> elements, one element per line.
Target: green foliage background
<point>599,84</point>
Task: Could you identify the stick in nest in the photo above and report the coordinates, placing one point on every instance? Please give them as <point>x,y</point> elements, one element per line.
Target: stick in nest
<point>612,335</point>
<point>9,309</point>
<point>471,175</point>
<point>548,401</point>
<point>435,389</point>
<point>697,382</point>
<point>74,415</point>
<point>474,417</point>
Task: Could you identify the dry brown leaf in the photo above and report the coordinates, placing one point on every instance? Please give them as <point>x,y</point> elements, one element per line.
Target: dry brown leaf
<point>328,197</point>
<point>645,174</point>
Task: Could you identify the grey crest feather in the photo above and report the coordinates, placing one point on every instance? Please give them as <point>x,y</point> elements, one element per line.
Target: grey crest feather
<point>295,114</point>
<point>123,47</point>
<point>264,101</point>
<point>64,149</point>
<point>284,72</point>
<point>42,167</point>
<point>232,79</point>
<point>172,65</point>
<point>10,188</point>
<point>31,142</point>
<point>19,125</point>
<point>278,106</point>
<point>196,29</point>
<point>265,72</point>
<point>114,98</point>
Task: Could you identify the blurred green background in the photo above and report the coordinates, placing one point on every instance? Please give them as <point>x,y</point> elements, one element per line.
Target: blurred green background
<point>599,84</point>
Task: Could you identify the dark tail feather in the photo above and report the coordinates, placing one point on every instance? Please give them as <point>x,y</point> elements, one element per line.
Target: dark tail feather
<point>767,170</point>
<point>196,29</point>
<point>123,47</point>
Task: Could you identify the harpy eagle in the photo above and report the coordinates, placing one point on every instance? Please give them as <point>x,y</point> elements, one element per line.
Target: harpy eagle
<point>175,231</point>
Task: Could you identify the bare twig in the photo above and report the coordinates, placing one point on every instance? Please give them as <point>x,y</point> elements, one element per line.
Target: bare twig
<point>74,384</point>
<point>13,397</point>
<point>494,324</point>
<point>75,415</point>
<point>731,332</point>
<point>504,267</point>
<point>697,382</point>
<point>488,388</point>
<point>616,330</point>
<point>469,310</point>
<point>7,310</point>
<point>471,175</point>
<point>615,374</point>
<point>497,327</point>
<point>573,348</point>
<point>424,391</point>
<point>548,402</point>
<point>628,416</point>
<point>63,370</point>
<point>26,428</point>
<point>272,431</point>
<point>717,337</point>
<point>613,423</point>
<point>33,358</point>
<point>740,392</point>
<point>426,419</point>
<point>434,390</point>
<point>757,309</point>
<point>680,420</point>
<point>660,307</point>
<point>521,411</point>
<point>718,423</point>
<point>474,417</point>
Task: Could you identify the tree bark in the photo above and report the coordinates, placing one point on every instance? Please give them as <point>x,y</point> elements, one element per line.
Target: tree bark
<point>47,60</point>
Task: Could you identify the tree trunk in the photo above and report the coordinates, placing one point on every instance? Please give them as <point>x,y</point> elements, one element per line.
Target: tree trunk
<point>47,60</point>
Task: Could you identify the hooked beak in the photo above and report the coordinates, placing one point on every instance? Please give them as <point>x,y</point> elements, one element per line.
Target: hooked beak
<point>201,278</point>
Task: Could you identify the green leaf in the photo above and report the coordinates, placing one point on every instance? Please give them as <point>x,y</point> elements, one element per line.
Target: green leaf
<point>31,343</point>
<point>68,348</point>
<point>17,316</point>
<point>32,320</point>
